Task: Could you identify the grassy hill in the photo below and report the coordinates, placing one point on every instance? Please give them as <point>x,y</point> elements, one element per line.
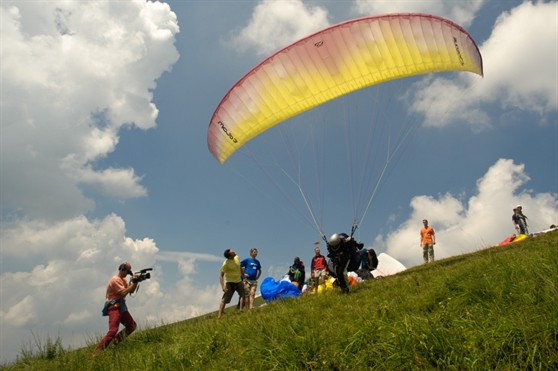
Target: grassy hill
<point>495,309</point>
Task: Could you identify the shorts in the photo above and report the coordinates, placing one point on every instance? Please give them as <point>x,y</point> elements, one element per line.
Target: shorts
<point>233,287</point>
<point>320,274</point>
<point>250,285</point>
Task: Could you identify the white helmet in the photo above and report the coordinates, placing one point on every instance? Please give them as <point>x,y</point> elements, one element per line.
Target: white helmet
<point>334,240</point>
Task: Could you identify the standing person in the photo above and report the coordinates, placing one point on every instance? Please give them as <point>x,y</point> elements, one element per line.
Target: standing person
<point>297,273</point>
<point>231,279</point>
<point>427,241</point>
<point>339,247</point>
<point>519,220</point>
<point>318,269</point>
<point>519,228</point>
<point>115,307</point>
<point>252,271</point>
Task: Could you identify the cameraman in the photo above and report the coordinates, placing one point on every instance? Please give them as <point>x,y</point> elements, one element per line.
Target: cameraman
<point>115,307</point>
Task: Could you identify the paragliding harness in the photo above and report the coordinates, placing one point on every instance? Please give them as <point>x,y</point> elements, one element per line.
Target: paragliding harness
<point>347,247</point>
<point>296,274</point>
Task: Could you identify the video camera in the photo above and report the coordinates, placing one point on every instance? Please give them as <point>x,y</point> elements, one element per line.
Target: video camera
<point>143,275</point>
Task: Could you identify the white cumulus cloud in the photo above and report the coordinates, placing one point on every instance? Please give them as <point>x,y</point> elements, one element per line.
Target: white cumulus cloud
<point>275,24</point>
<point>460,12</point>
<point>520,75</point>
<point>463,225</point>
<point>73,74</point>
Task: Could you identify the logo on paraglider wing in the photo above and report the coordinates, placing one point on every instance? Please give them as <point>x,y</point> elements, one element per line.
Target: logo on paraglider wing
<point>458,51</point>
<point>318,44</point>
<point>224,128</point>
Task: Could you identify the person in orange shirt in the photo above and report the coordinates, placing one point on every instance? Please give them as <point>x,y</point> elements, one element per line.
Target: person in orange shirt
<point>427,242</point>
<point>115,307</point>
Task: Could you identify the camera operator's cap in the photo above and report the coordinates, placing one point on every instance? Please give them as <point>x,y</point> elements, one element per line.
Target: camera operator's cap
<point>124,268</point>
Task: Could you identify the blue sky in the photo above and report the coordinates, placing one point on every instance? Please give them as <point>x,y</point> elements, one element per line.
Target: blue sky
<point>105,109</point>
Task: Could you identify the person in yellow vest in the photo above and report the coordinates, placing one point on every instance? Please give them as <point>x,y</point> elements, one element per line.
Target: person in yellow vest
<point>232,279</point>
<point>427,242</point>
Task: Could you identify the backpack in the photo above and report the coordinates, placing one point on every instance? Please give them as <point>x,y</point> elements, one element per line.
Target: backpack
<point>371,259</point>
<point>354,255</point>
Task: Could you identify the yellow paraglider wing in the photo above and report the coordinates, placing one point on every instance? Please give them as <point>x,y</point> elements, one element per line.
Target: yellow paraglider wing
<point>333,62</point>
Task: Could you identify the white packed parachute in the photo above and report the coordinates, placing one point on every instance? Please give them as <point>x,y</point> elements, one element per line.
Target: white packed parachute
<point>387,266</point>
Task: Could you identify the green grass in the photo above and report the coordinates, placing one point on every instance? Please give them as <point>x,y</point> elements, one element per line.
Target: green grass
<point>494,309</point>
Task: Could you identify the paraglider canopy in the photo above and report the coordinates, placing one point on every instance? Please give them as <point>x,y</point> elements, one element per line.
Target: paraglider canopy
<point>341,59</point>
<point>333,62</point>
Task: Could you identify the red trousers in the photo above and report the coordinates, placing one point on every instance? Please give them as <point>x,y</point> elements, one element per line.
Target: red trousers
<point>113,336</point>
